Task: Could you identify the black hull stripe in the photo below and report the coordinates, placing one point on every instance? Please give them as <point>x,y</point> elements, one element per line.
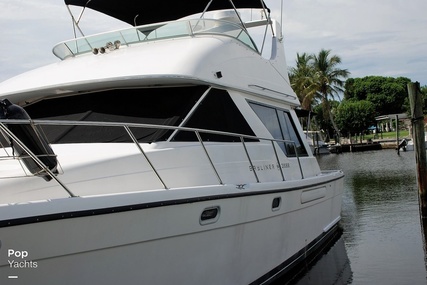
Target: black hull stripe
<point>141,206</point>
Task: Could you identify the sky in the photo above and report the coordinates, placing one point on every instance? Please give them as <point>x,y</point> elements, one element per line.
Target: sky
<point>372,37</point>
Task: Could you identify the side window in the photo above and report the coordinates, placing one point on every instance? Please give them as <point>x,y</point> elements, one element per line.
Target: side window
<point>281,126</point>
<point>289,133</point>
<point>157,106</point>
<point>270,120</point>
<point>216,112</point>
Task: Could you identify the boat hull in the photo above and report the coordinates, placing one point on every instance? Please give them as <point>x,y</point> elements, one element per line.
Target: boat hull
<point>252,238</point>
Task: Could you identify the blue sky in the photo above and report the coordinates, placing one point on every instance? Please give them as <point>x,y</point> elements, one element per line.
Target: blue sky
<point>381,37</point>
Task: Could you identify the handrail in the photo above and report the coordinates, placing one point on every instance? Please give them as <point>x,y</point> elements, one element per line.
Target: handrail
<point>151,32</point>
<point>208,156</point>
<point>128,126</point>
<point>145,156</point>
<point>250,160</point>
<point>3,128</point>
<point>278,161</point>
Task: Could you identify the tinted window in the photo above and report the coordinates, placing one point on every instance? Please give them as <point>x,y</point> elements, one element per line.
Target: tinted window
<point>216,112</point>
<point>279,123</point>
<point>289,133</point>
<point>159,106</point>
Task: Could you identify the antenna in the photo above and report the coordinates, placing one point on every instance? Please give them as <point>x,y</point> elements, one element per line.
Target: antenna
<point>281,21</point>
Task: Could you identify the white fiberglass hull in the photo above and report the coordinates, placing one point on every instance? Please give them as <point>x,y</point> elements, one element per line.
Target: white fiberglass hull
<point>168,243</point>
<point>185,165</point>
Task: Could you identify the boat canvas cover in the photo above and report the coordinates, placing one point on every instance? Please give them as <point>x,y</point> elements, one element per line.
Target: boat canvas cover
<point>143,12</point>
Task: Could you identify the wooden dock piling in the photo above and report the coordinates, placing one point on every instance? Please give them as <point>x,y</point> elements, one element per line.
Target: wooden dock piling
<point>417,119</point>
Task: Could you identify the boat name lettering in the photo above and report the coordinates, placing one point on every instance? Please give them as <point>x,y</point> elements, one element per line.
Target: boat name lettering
<point>270,166</point>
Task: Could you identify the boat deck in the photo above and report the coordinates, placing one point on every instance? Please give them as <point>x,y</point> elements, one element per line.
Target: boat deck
<point>161,165</point>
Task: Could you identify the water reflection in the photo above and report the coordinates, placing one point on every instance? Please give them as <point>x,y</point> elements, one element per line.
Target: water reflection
<point>333,267</point>
<point>329,266</point>
<point>382,239</point>
<point>380,218</point>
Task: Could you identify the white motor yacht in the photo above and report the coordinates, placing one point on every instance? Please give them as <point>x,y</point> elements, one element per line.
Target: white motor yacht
<point>165,153</point>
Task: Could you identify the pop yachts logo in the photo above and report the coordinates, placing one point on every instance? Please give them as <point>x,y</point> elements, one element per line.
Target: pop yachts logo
<point>18,259</point>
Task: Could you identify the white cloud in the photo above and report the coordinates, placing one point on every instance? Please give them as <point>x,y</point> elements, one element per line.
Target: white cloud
<point>30,29</point>
<point>382,37</point>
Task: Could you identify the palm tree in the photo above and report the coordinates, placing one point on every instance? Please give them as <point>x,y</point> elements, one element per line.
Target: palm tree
<point>317,77</point>
<point>328,80</point>
<point>301,78</point>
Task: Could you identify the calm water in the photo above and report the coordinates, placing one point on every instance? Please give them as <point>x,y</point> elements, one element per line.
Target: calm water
<point>381,241</point>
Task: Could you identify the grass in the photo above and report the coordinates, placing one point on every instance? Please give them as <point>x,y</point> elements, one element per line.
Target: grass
<point>388,135</point>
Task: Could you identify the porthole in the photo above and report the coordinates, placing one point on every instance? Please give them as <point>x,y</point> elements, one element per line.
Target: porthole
<point>209,215</point>
<point>275,205</point>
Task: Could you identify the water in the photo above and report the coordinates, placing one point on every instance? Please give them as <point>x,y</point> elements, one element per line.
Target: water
<point>381,241</point>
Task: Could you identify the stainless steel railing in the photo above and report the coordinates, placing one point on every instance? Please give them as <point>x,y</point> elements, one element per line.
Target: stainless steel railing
<point>7,134</point>
<point>112,40</point>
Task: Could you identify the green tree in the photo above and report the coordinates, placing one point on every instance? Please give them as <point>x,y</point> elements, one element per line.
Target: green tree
<point>319,120</point>
<point>329,80</point>
<point>388,94</point>
<point>301,78</point>
<point>354,116</point>
<point>424,92</point>
<point>317,77</point>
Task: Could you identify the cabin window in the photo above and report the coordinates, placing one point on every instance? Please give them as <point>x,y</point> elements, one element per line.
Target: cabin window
<point>281,126</point>
<point>158,106</point>
<point>290,133</point>
<point>218,112</point>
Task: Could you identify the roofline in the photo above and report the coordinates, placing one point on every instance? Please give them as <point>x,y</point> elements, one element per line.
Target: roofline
<point>392,116</point>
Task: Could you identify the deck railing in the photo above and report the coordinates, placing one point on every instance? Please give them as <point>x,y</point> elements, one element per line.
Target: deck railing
<point>110,41</point>
<point>9,135</point>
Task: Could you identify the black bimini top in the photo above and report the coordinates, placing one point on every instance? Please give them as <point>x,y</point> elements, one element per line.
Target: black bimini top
<point>141,12</point>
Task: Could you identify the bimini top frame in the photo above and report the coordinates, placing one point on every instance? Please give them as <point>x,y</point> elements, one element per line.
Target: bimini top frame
<point>154,11</point>
<point>135,12</point>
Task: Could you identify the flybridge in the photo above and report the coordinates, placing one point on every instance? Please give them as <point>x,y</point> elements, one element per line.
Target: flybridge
<point>111,41</point>
<point>160,23</point>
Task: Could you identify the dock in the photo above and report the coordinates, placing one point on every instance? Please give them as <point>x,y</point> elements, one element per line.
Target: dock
<point>364,146</point>
<point>356,147</point>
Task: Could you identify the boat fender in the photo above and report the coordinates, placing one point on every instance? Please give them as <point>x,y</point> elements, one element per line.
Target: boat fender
<point>32,137</point>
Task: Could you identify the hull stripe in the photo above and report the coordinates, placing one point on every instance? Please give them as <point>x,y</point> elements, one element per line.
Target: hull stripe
<point>141,206</point>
